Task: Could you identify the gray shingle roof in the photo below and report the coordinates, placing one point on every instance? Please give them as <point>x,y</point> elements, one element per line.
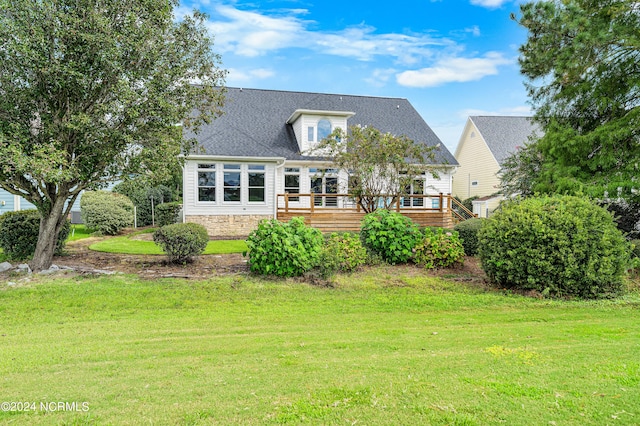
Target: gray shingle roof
<point>504,133</point>
<point>254,122</point>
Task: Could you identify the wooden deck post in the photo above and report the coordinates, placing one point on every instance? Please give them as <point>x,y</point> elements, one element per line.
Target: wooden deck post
<point>312,202</point>
<point>440,203</point>
<point>286,202</point>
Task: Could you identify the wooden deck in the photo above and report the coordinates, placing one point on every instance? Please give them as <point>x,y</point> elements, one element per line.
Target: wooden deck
<point>340,212</point>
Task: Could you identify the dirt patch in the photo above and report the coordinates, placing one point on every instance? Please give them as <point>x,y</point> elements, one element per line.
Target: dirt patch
<point>153,266</point>
<point>149,266</point>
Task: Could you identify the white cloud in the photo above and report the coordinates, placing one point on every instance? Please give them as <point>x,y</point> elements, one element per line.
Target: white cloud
<point>492,4</point>
<point>380,77</point>
<point>453,69</point>
<point>236,76</point>
<point>251,34</point>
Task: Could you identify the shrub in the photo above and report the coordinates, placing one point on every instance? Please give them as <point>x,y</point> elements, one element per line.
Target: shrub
<point>181,241</point>
<point>342,252</point>
<point>439,248</point>
<point>468,232</point>
<point>106,212</point>
<point>19,234</point>
<point>168,213</point>
<point>284,249</point>
<point>390,235</point>
<point>558,245</point>
<point>141,193</point>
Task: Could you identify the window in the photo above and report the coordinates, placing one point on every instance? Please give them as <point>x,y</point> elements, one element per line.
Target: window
<point>256,183</point>
<point>206,182</point>
<point>324,181</point>
<point>416,188</point>
<point>324,129</point>
<point>232,182</point>
<point>310,133</point>
<point>292,182</point>
<point>474,183</point>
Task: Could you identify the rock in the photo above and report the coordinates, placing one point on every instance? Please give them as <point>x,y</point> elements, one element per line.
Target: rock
<point>5,266</point>
<point>23,267</point>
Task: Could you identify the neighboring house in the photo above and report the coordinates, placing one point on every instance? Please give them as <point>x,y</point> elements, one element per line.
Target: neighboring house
<point>485,143</point>
<point>258,150</point>
<point>11,203</point>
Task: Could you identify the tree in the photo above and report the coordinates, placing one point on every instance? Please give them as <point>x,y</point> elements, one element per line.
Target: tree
<point>91,90</point>
<point>382,167</point>
<point>582,63</point>
<point>520,170</point>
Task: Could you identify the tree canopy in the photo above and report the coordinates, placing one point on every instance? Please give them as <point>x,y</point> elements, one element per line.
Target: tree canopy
<point>382,167</point>
<point>94,89</point>
<point>582,63</point>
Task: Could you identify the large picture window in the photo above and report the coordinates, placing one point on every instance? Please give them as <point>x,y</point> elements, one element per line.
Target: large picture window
<point>232,182</point>
<point>256,183</point>
<point>206,182</point>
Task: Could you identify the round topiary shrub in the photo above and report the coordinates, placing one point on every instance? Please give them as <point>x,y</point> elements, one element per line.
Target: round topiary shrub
<point>19,234</point>
<point>390,235</point>
<point>342,252</point>
<point>181,241</point>
<point>168,213</point>
<point>468,232</point>
<point>106,212</point>
<point>284,249</point>
<point>559,245</point>
<point>438,248</point>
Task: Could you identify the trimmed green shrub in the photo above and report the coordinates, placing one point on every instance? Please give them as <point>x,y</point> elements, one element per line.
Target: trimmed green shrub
<point>106,212</point>
<point>168,213</point>
<point>439,248</point>
<point>342,252</point>
<point>559,246</point>
<point>181,241</point>
<point>19,234</point>
<point>141,193</point>
<point>390,235</point>
<point>468,232</point>
<point>284,249</point>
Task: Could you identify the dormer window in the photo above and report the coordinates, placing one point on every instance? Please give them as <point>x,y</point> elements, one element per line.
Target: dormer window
<point>324,129</point>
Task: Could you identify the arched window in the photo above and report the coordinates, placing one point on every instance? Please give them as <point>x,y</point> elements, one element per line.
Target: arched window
<point>324,129</point>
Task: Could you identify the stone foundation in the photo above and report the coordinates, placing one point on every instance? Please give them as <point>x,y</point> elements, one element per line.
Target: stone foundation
<point>228,226</point>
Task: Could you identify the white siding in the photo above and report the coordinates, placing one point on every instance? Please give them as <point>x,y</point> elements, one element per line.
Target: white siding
<point>305,121</point>
<point>193,207</point>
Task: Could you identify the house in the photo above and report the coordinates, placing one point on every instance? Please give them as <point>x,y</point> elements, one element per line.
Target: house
<point>254,161</point>
<point>10,202</point>
<point>485,143</point>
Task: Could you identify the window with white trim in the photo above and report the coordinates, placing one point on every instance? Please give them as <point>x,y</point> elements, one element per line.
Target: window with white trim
<point>292,182</point>
<point>232,183</point>
<point>256,183</point>
<point>207,182</point>
<point>324,129</point>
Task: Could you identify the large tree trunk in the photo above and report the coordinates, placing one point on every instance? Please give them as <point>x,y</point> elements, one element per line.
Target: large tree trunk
<point>50,226</point>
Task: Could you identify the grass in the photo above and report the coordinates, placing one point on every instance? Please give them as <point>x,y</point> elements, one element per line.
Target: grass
<point>127,244</point>
<point>78,232</point>
<point>387,346</point>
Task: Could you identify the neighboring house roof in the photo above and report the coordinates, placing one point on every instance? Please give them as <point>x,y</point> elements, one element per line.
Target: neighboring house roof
<point>504,134</point>
<point>254,122</point>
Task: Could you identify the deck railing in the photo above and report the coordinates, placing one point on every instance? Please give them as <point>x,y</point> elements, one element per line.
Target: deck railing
<point>313,203</point>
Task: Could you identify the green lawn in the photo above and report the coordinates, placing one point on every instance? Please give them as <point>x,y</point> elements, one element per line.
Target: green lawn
<point>127,245</point>
<point>384,347</point>
<point>78,232</point>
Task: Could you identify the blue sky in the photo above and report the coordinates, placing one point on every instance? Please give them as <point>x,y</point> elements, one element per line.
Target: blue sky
<point>449,58</point>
